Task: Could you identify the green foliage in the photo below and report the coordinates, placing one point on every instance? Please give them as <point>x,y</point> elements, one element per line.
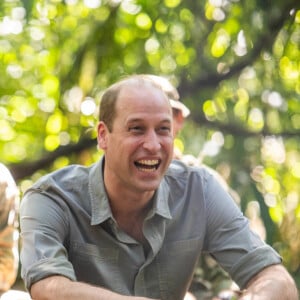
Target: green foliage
<point>236,64</point>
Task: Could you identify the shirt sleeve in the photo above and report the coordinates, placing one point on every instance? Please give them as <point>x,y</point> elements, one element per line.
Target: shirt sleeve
<point>44,236</point>
<point>229,238</point>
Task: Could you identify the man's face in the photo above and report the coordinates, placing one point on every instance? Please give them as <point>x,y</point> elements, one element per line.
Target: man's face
<point>139,148</point>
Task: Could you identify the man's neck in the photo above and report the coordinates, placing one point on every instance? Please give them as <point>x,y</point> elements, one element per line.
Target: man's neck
<point>130,206</point>
<point>130,216</point>
<point>125,201</point>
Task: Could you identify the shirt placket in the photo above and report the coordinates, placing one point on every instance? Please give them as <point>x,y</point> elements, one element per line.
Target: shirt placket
<point>154,231</point>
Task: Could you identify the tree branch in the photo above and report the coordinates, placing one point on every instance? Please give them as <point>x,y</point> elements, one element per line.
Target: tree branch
<point>264,42</point>
<point>26,169</point>
<point>236,129</point>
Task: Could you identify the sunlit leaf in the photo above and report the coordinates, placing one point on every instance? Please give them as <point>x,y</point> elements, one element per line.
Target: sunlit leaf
<point>161,26</point>
<point>276,214</point>
<point>54,124</point>
<point>7,133</point>
<point>51,85</point>
<point>51,142</point>
<point>178,146</point>
<point>220,44</point>
<point>255,119</point>
<point>172,3</point>
<point>236,66</point>
<point>143,21</point>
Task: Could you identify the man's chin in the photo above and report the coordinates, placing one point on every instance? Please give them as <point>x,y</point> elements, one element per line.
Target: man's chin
<point>148,186</point>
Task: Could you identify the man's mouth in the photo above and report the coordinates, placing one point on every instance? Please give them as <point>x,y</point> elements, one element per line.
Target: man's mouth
<point>147,165</point>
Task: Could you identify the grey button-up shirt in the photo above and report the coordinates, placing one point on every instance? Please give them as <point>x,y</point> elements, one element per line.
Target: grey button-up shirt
<point>68,228</point>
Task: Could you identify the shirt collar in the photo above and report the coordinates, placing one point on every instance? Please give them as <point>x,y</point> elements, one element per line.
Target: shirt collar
<point>99,201</point>
<point>160,203</point>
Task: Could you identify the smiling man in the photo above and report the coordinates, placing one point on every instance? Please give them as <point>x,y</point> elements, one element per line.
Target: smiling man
<point>142,137</point>
<point>133,225</point>
<point>138,150</point>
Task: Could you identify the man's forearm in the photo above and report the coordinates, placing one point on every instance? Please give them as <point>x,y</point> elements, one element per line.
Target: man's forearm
<point>272,283</point>
<point>59,287</point>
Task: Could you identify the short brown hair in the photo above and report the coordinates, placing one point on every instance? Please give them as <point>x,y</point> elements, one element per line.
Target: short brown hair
<point>107,109</point>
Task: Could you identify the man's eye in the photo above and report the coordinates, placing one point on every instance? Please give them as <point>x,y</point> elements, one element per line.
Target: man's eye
<point>165,129</point>
<point>135,129</point>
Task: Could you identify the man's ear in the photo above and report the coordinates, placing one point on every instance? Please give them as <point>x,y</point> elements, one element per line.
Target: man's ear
<point>102,132</point>
<point>180,119</point>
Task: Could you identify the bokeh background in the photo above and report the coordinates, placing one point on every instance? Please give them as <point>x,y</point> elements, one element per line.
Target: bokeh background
<point>236,64</point>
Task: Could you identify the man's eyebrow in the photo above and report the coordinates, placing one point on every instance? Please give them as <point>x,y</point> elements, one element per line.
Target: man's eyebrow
<point>169,120</point>
<point>141,119</point>
<point>135,119</point>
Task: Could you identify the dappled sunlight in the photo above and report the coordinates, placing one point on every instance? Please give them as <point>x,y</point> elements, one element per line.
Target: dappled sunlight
<point>241,46</point>
<point>236,66</point>
<point>220,44</point>
<point>273,149</point>
<point>73,98</point>
<point>256,119</point>
<point>14,70</point>
<point>92,3</point>
<point>253,212</point>
<point>7,133</point>
<point>47,105</point>
<point>130,7</point>
<point>88,106</point>
<point>213,146</point>
<point>274,99</point>
<point>278,182</point>
<point>10,26</point>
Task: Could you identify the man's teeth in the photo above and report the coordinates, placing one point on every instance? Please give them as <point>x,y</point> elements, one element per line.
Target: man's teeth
<point>147,170</point>
<point>148,162</point>
<point>147,165</point>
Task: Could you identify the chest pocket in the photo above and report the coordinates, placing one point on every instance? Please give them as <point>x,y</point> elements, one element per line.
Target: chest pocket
<point>96,265</point>
<point>176,263</point>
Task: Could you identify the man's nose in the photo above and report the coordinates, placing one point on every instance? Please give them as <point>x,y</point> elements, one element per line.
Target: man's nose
<point>152,141</point>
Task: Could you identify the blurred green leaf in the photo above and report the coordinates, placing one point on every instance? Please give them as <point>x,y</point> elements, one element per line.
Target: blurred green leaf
<point>236,65</point>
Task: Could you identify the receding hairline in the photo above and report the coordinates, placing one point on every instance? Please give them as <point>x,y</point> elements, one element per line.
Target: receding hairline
<point>111,95</point>
<point>136,80</point>
<point>137,83</point>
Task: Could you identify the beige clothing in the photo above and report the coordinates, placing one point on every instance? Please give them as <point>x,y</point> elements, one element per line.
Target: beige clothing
<point>9,202</point>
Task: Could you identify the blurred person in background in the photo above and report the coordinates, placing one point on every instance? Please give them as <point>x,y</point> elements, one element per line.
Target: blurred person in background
<point>9,236</point>
<point>9,201</point>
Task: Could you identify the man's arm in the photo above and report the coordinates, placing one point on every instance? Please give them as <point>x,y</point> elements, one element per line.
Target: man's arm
<point>272,283</point>
<point>59,287</point>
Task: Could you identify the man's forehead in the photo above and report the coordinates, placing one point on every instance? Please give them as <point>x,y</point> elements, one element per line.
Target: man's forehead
<point>140,103</point>
<point>135,84</point>
<point>146,92</point>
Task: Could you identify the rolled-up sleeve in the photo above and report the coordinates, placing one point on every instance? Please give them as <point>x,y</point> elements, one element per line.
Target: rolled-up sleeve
<point>251,263</point>
<point>43,232</point>
<point>229,239</point>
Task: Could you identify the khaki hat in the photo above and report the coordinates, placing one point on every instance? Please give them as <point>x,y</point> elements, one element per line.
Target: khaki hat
<point>171,93</point>
<point>179,105</point>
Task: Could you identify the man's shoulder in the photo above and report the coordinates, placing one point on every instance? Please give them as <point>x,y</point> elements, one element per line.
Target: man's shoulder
<point>184,165</point>
<point>179,168</point>
<point>70,176</point>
